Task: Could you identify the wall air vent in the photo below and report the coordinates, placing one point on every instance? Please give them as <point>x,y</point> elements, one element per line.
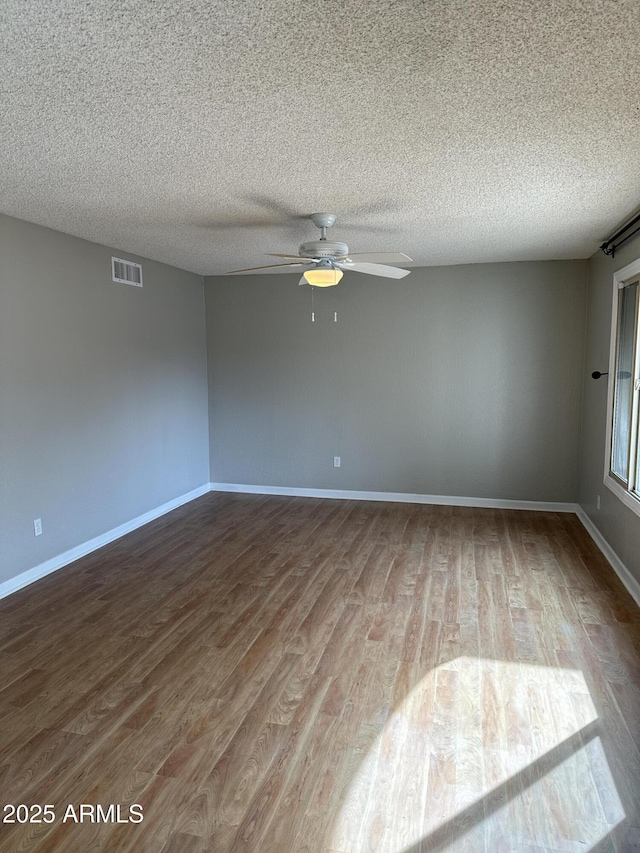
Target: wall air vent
<point>126,272</point>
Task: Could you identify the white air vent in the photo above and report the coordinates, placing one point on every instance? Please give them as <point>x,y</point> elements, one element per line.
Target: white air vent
<point>126,272</point>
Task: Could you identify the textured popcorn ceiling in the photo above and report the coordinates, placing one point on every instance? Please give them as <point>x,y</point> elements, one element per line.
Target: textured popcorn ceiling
<point>188,130</point>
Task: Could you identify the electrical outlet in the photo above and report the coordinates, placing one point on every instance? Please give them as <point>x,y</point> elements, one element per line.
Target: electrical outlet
<point>37,526</point>
<point>597,501</point>
<point>336,461</point>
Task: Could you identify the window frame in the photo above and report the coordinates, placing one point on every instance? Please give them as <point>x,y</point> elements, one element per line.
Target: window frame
<point>628,493</point>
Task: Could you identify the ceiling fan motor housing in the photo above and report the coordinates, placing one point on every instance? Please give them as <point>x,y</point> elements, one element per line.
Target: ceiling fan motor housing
<point>323,249</point>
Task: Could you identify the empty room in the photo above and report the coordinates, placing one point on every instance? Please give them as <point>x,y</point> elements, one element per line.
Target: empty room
<point>320,427</point>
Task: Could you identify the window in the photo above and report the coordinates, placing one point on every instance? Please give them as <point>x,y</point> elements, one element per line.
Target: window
<point>622,467</point>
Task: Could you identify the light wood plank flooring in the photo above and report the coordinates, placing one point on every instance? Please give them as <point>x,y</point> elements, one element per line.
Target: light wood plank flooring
<point>288,675</point>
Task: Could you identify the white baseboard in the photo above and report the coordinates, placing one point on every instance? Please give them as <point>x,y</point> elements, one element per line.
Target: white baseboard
<point>55,563</point>
<point>394,497</point>
<point>632,585</point>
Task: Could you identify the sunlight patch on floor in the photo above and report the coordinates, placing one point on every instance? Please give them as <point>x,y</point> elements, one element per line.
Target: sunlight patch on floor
<point>482,752</point>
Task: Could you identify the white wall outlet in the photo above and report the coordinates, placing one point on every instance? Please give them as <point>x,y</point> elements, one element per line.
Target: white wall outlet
<point>336,461</point>
<point>597,501</point>
<point>37,526</point>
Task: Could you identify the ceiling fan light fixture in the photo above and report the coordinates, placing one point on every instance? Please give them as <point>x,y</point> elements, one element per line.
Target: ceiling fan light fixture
<point>322,277</point>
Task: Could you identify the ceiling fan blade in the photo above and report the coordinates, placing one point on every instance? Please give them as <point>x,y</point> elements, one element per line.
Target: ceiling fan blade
<point>268,267</point>
<point>375,269</point>
<point>292,257</point>
<point>380,258</point>
<point>303,281</point>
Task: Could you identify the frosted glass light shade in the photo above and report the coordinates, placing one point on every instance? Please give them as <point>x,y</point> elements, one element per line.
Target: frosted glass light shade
<point>323,277</point>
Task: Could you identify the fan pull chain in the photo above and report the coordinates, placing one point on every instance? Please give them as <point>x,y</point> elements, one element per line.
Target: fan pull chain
<point>313,315</point>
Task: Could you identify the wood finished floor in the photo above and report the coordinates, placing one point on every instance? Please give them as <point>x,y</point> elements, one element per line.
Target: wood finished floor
<point>271,675</point>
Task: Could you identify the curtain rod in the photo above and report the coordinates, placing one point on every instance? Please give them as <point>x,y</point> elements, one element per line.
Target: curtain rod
<point>609,246</point>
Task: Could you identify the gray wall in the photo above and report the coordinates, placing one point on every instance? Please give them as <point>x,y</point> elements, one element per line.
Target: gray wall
<point>458,380</point>
<point>103,392</point>
<point>617,523</point>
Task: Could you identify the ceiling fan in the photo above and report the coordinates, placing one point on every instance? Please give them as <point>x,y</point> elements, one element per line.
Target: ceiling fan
<point>326,261</point>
